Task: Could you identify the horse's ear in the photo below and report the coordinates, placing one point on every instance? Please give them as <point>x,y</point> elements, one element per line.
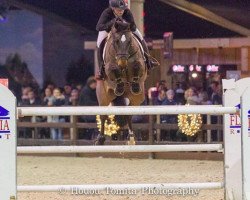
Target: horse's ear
<point>116,25</point>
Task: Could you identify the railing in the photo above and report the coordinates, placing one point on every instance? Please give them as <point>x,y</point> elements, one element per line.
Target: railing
<point>153,126</point>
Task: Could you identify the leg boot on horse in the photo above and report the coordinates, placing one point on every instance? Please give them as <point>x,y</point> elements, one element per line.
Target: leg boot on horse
<point>120,86</point>
<point>119,89</point>
<point>135,87</point>
<point>101,137</point>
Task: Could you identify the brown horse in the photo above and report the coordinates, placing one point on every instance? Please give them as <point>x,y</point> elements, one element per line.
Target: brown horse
<point>125,74</point>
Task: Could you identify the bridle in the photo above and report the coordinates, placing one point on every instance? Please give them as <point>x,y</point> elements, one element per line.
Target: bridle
<point>127,55</point>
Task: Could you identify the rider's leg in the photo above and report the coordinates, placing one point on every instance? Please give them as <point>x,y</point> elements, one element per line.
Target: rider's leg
<point>150,62</point>
<point>101,36</point>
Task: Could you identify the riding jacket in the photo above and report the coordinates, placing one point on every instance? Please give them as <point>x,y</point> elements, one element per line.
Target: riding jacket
<point>107,20</point>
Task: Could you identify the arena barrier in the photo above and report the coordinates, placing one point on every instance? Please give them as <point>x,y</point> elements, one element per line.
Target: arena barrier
<point>236,142</point>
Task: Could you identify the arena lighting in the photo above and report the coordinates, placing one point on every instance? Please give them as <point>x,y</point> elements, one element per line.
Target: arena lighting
<point>194,75</point>
<point>3,10</point>
<point>2,18</point>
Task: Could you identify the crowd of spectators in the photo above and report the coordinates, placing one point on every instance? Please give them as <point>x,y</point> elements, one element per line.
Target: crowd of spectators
<point>86,96</point>
<point>55,96</point>
<point>181,95</point>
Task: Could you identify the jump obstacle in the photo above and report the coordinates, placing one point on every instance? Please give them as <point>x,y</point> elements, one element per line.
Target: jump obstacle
<point>236,142</point>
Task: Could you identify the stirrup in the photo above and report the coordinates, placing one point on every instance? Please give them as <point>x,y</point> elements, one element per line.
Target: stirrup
<point>151,62</point>
<point>100,74</point>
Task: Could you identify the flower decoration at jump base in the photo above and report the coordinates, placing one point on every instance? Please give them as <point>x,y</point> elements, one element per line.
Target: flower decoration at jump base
<point>190,124</point>
<point>110,126</point>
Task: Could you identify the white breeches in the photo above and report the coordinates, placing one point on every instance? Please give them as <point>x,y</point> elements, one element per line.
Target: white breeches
<point>101,36</point>
<point>138,34</point>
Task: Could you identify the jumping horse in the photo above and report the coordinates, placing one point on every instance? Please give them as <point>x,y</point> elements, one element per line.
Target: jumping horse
<point>125,74</point>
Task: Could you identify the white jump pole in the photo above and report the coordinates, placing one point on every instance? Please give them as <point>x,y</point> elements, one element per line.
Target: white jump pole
<point>72,188</point>
<point>121,110</point>
<point>118,149</point>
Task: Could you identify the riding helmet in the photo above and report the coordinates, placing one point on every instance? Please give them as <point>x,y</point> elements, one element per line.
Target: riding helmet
<point>121,4</point>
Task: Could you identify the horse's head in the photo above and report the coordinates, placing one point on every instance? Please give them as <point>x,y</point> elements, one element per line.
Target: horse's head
<point>122,39</point>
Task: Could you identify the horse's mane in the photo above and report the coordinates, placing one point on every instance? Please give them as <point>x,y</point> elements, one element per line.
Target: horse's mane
<point>121,26</point>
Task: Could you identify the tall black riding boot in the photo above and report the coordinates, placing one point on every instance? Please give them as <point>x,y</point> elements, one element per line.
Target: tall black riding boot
<point>151,62</point>
<point>101,72</point>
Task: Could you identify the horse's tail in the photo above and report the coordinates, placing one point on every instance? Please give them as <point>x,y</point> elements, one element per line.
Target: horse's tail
<point>121,120</point>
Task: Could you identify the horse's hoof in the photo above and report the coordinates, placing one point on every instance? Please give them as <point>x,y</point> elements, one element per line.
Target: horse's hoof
<point>100,140</point>
<point>131,140</point>
<point>135,88</point>
<point>119,90</point>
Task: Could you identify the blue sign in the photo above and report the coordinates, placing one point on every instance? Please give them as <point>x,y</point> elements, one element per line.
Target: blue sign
<point>3,111</point>
<point>4,121</point>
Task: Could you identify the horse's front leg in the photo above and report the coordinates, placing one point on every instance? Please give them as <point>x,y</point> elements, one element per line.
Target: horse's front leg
<point>135,74</point>
<point>131,135</point>
<point>101,137</point>
<point>115,74</point>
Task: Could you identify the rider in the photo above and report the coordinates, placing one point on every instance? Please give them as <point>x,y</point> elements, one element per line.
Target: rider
<point>118,8</point>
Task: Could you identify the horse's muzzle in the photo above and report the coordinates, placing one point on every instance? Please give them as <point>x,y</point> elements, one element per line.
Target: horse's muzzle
<point>122,61</point>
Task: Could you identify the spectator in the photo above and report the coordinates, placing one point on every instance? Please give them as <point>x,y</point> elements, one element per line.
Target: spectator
<point>215,96</point>
<point>29,100</point>
<point>191,97</point>
<point>160,98</point>
<point>79,87</point>
<point>24,97</point>
<point>88,98</point>
<point>203,96</point>
<point>67,93</point>
<point>170,119</point>
<point>179,94</point>
<point>74,97</point>
<point>58,100</point>
<point>48,98</point>
<point>32,99</point>
<point>153,92</point>
<point>88,94</point>
<point>51,86</point>
<point>216,100</point>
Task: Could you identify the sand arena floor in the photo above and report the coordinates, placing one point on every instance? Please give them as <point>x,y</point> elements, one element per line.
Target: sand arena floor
<point>79,170</point>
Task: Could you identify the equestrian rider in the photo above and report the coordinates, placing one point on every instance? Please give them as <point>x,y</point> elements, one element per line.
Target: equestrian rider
<point>118,8</point>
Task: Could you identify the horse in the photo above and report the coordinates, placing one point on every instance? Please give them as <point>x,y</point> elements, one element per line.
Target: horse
<point>125,74</point>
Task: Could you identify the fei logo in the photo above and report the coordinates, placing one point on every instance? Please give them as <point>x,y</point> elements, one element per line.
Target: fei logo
<point>235,122</point>
<point>4,123</point>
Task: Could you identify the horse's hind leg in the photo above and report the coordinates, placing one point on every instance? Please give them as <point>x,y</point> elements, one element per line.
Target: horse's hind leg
<point>101,137</point>
<point>131,135</point>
